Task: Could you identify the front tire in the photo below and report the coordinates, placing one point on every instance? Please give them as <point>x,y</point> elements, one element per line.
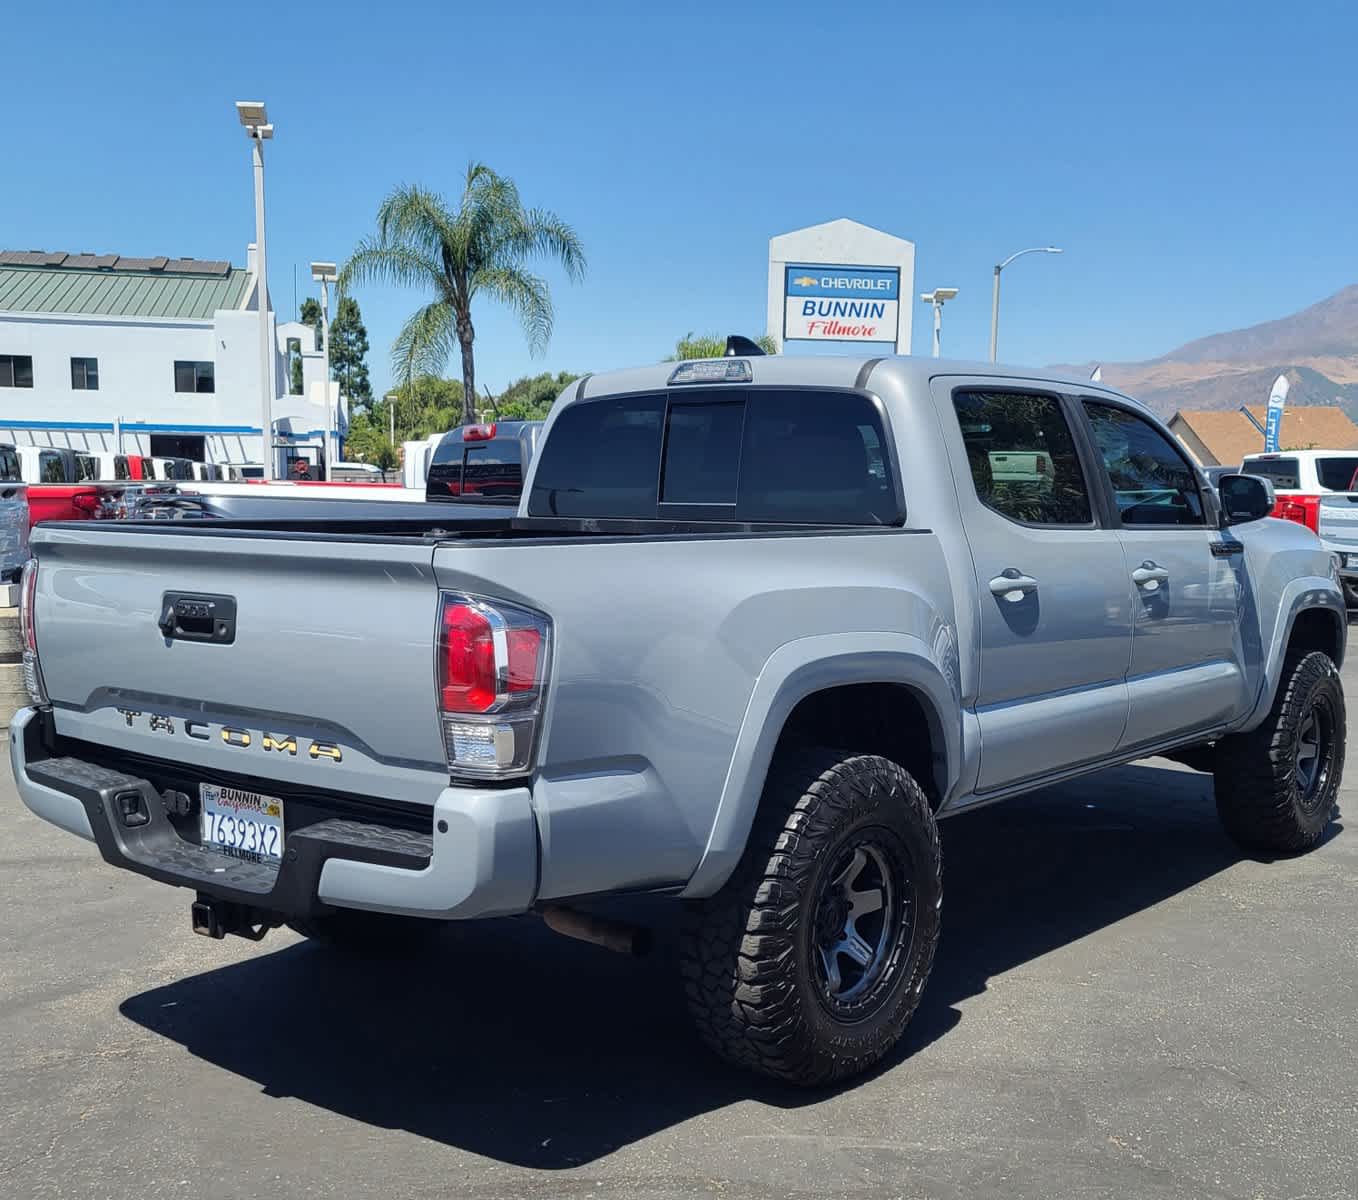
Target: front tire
<point>1276,786</point>
<point>809,963</point>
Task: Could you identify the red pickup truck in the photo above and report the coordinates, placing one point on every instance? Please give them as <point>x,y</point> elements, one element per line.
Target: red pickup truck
<point>65,485</point>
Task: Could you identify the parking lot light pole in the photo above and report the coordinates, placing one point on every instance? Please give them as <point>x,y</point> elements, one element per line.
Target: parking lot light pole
<point>326,273</point>
<point>938,298</point>
<point>995,294</point>
<point>255,120</point>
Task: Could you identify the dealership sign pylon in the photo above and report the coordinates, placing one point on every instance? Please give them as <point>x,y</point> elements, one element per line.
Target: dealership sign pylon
<point>841,282</point>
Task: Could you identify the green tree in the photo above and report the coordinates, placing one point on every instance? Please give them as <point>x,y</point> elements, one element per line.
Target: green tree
<point>349,353</point>
<point>348,347</point>
<point>479,245</point>
<point>712,345</point>
<point>311,315</point>
<point>531,398</point>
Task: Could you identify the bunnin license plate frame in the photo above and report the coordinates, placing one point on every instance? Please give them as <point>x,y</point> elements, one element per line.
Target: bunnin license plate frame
<point>242,824</point>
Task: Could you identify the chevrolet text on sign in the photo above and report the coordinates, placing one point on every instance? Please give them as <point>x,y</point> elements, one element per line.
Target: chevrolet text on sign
<point>840,304</point>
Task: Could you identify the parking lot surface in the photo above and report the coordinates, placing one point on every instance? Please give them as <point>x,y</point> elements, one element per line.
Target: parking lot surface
<point>1123,1005</point>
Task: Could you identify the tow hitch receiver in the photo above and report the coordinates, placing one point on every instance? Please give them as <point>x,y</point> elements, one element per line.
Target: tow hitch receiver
<point>216,918</point>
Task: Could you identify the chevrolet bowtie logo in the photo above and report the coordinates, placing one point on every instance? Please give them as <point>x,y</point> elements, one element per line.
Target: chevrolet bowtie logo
<point>806,281</point>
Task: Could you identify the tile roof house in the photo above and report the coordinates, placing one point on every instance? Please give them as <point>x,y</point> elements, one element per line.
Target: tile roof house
<point>1223,438</point>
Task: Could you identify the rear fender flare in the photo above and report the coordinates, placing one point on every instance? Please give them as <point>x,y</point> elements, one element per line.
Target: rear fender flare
<point>798,669</point>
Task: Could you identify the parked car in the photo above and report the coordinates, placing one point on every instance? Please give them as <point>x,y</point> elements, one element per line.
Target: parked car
<point>13,515</point>
<point>757,625</point>
<point>1316,488</point>
<point>46,464</point>
<point>482,462</point>
<point>165,469</point>
<point>113,467</point>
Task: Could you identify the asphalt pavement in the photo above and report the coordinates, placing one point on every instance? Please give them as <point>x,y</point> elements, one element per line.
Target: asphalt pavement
<point>1123,1005</point>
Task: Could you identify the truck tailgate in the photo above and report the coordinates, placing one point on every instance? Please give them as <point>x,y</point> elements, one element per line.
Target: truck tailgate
<point>332,651</point>
<point>1338,520</point>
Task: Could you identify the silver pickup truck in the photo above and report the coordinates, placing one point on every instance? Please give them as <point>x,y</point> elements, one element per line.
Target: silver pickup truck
<point>755,626</point>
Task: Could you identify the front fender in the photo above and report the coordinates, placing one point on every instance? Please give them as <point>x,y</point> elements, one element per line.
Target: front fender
<point>1305,592</point>
<point>796,670</point>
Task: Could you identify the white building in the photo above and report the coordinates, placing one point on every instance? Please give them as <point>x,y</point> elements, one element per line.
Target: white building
<point>149,356</point>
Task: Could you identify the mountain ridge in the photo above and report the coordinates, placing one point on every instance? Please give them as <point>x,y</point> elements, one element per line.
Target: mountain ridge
<point>1315,347</point>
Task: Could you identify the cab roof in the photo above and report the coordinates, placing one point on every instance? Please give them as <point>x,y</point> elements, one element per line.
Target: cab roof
<point>824,370</point>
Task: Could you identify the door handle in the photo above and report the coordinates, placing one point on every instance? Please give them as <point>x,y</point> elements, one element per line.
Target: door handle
<point>1012,584</point>
<point>1150,576</point>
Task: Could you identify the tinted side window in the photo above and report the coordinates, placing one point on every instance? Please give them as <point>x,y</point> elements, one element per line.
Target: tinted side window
<point>9,464</point>
<point>120,469</point>
<point>86,468</point>
<point>1022,457</point>
<point>1152,482</point>
<point>602,459</point>
<point>1336,474</point>
<point>1284,472</point>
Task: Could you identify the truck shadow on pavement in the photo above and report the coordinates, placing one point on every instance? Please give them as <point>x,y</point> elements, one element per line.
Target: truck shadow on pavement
<point>533,1050</point>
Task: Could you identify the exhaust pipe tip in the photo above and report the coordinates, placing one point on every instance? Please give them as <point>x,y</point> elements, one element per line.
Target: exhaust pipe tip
<point>618,936</point>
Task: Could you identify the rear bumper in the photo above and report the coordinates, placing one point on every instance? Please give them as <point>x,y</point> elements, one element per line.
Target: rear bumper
<point>478,860</point>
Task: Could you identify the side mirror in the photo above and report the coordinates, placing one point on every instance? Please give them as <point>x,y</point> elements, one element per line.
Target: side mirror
<point>1244,498</point>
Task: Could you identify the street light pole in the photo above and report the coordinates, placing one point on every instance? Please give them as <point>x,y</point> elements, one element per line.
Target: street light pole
<point>995,292</point>
<point>326,273</point>
<point>257,128</point>
<point>938,297</point>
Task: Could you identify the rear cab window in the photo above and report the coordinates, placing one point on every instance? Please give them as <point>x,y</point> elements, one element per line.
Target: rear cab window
<point>50,468</point>
<point>1284,472</point>
<point>768,455</point>
<point>476,470</point>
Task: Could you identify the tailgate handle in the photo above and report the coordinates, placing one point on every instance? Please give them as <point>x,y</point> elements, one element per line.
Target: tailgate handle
<point>198,618</point>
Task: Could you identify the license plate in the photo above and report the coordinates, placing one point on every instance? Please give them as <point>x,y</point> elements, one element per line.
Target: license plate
<point>242,824</point>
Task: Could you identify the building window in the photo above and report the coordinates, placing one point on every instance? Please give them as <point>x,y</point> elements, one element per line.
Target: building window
<point>85,374</point>
<point>193,377</point>
<point>16,370</point>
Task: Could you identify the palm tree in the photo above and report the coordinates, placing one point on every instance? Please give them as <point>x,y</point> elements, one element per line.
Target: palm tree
<point>481,245</point>
<point>713,345</point>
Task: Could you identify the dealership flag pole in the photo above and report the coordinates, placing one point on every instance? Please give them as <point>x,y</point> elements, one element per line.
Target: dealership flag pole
<point>1277,399</point>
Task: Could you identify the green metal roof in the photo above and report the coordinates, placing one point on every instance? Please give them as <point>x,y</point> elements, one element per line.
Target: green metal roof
<point>37,282</point>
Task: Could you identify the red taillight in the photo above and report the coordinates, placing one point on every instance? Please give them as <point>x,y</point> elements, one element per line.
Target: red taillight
<point>1304,510</point>
<point>492,674</point>
<point>478,433</point>
<point>471,678</point>
<point>86,502</point>
<point>27,590</point>
<point>467,660</point>
<point>28,630</point>
<point>525,648</point>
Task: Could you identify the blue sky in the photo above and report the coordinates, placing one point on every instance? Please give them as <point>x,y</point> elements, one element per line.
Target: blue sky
<point>1195,160</point>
